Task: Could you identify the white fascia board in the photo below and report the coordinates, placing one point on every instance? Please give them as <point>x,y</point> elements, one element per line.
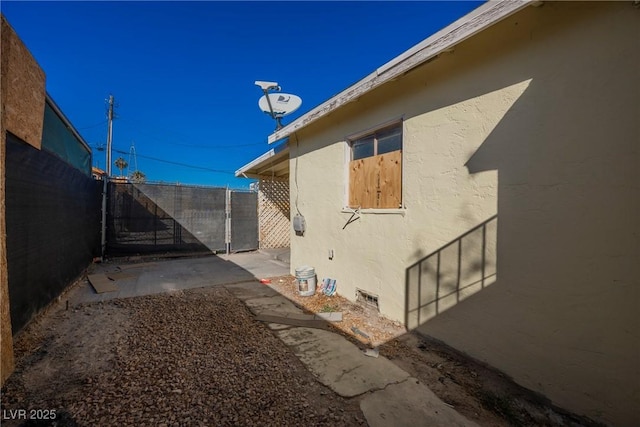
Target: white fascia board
<point>474,22</point>
<point>243,171</point>
<point>255,162</point>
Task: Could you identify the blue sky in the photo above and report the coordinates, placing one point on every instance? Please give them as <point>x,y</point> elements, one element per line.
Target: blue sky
<point>182,73</point>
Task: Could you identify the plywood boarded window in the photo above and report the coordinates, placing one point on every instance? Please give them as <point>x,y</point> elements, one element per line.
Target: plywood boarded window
<point>375,170</point>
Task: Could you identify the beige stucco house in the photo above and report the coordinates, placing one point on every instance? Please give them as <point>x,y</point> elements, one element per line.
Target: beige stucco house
<point>484,188</point>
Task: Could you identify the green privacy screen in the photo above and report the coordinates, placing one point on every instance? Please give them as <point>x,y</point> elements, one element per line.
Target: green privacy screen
<point>58,139</point>
<point>53,227</point>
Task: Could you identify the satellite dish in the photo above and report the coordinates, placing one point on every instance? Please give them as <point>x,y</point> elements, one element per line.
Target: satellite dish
<point>282,104</point>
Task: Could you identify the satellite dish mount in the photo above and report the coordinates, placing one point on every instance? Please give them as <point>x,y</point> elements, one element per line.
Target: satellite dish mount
<point>277,105</point>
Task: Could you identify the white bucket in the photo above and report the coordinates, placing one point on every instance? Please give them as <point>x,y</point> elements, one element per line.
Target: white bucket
<point>306,280</point>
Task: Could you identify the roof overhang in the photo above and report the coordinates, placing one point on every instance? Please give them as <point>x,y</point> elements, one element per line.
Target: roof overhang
<point>444,40</point>
<point>272,164</point>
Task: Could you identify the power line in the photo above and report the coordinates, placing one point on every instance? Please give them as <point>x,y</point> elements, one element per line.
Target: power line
<point>179,164</point>
<point>215,147</point>
<point>93,126</point>
<point>182,144</point>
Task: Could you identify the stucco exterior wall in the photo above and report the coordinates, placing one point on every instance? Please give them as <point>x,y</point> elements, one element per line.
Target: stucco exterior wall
<point>22,95</point>
<point>534,120</point>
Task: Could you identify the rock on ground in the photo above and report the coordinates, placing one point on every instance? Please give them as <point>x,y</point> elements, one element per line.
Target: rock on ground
<point>187,358</point>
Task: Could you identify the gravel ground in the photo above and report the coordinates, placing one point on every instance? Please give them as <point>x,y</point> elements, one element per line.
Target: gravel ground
<point>187,358</point>
<point>198,357</point>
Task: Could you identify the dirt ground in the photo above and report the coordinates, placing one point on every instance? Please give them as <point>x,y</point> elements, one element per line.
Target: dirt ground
<point>476,391</point>
<point>198,357</point>
<point>187,358</point>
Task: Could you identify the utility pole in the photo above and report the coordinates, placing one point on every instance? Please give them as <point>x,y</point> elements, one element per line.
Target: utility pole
<point>109,135</point>
<point>105,182</point>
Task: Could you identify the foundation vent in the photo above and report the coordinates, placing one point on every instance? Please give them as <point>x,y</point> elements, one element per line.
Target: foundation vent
<point>367,298</point>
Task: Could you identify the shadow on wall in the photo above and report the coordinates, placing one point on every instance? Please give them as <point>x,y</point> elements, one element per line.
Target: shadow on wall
<point>459,269</point>
<point>560,318</point>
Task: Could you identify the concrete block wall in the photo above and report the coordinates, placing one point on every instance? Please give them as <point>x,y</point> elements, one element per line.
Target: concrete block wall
<point>22,95</point>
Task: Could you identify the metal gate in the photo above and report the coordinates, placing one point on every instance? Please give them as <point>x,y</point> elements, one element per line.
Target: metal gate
<point>243,221</point>
<point>154,218</point>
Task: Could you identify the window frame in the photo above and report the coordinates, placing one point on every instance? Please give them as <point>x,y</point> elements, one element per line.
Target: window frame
<point>349,142</point>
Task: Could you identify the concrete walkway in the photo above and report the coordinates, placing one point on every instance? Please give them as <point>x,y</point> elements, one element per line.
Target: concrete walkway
<point>279,254</point>
<point>388,395</point>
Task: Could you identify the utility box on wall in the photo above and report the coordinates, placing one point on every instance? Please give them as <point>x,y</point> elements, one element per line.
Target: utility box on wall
<point>299,225</point>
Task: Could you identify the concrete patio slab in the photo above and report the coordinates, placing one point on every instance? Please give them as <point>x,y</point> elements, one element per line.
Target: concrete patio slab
<point>339,364</point>
<point>260,264</point>
<point>291,321</point>
<point>409,404</point>
<point>178,274</point>
<point>101,283</point>
<point>280,254</point>
<point>260,299</point>
<point>249,290</point>
<point>276,303</point>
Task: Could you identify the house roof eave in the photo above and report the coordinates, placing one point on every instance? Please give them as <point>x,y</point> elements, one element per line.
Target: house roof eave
<point>265,163</point>
<point>472,23</point>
